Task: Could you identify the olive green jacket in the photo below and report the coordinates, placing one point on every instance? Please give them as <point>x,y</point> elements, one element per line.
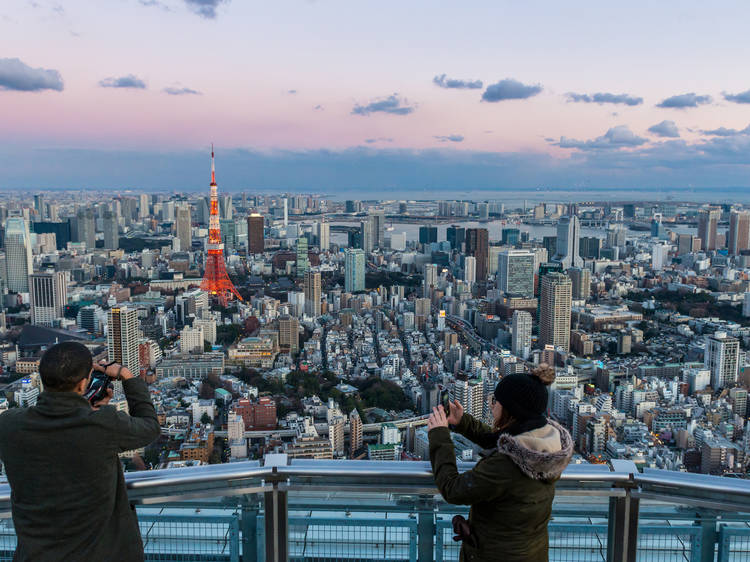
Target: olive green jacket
<point>510,491</point>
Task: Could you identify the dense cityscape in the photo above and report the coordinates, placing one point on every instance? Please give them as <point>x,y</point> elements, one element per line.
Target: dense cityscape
<point>325,328</point>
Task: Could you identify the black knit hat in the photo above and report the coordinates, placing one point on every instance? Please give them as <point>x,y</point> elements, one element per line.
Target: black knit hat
<point>525,395</point>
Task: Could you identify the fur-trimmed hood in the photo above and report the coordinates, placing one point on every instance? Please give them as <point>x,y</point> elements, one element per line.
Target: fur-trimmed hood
<point>541,454</point>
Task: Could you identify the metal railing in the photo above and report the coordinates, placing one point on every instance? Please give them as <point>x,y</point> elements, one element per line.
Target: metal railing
<point>280,509</point>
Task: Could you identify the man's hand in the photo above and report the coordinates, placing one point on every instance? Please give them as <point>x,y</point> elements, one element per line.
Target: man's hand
<point>456,412</point>
<point>104,401</point>
<point>113,370</point>
<point>437,418</point>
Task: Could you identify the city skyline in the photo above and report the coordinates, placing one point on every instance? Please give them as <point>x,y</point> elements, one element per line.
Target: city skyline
<point>328,96</point>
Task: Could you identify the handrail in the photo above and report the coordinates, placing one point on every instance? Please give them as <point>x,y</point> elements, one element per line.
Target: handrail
<point>229,479</point>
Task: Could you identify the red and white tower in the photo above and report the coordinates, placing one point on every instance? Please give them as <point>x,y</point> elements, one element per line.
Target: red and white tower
<point>215,279</point>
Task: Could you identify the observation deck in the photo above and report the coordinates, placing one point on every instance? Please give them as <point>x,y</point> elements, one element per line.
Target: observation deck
<point>278,509</point>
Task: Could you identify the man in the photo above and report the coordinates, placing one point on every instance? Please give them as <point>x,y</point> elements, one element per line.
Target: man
<point>68,495</point>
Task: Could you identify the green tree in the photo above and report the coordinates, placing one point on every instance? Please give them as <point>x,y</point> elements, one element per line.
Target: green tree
<point>205,419</point>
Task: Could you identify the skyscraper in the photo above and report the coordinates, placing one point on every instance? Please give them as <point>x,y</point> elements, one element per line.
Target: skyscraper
<point>18,262</point>
<point>568,239</point>
<point>366,235</point>
<point>49,295</point>
<point>721,357</point>
<point>708,221</point>
<point>521,334</point>
<point>355,432</point>
<point>39,205</point>
<point>377,229</point>
<point>289,333</point>
<point>580,279</point>
<point>184,228</point>
<point>111,231</point>
<point>477,245</point>
<point>430,278</point>
<point>324,236</point>
<point>255,240</point>
<point>354,270</point>
<point>86,228</point>
<point>515,272</point>
<point>427,234</point>
<point>312,293</point>
<point>303,263</point>
<point>122,337</point>
<point>143,206</point>
<point>470,270</point>
<point>456,235</point>
<point>739,232</point>
<point>554,325</point>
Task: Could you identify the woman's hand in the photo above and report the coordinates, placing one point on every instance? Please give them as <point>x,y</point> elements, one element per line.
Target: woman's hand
<point>437,418</point>
<point>456,412</point>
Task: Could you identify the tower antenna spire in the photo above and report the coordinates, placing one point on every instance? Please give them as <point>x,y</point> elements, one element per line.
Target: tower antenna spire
<point>213,169</point>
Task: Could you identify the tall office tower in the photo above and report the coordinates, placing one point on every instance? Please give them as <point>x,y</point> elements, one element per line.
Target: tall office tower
<point>18,262</point>
<point>122,337</point>
<point>708,221</point>
<point>111,231</point>
<point>324,236</point>
<point>684,244</point>
<point>355,432</point>
<point>590,247</point>
<point>554,326</point>
<point>510,236</point>
<point>289,333</point>
<point>354,270</point>
<point>303,263</point>
<point>483,211</point>
<point>515,272</point>
<point>427,234</point>
<point>616,236</point>
<point>52,212</point>
<point>312,293</point>
<point>580,279</point>
<point>143,206</point>
<point>215,278</point>
<point>568,239</point>
<point>521,334</point>
<point>351,206</point>
<point>49,295</point>
<point>721,357</point>
<point>366,236</point>
<point>377,220</point>
<point>39,205</point>
<point>225,207</point>
<point>86,228</point>
<point>456,235</point>
<point>184,228</point>
<point>739,232</point>
<point>477,245</point>
<point>470,270</point>
<point>255,240</point>
<point>470,394</point>
<point>430,280</point>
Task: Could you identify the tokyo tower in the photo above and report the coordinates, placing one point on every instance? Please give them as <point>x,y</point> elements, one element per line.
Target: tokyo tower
<point>215,279</point>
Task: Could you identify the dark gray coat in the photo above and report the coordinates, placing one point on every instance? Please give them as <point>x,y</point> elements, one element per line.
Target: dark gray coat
<point>67,488</point>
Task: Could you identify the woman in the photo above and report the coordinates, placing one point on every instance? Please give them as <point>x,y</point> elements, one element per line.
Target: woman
<point>511,490</point>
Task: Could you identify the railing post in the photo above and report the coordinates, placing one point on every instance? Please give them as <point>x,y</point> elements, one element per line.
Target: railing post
<point>622,530</point>
<point>425,529</point>
<point>276,515</point>
<point>249,526</point>
<point>706,518</point>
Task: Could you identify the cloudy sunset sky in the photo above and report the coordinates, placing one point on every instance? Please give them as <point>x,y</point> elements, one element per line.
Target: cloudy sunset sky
<point>330,94</point>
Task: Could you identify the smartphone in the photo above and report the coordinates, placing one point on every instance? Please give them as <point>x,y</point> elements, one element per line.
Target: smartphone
<point>97,389</point>
<point>445,401</point>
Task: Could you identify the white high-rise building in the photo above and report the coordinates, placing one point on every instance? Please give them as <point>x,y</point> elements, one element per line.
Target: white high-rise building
<point>191,340</point>
<point>721,357</point>
<point>658,256</point>
<point>430,278</point>
<point>470,270</point>
<point>470,394</point>
<point>122,337</point>
<point>515,272</point>
<point>568,238</point>
<point>354,270</point>
<point>18,261</point>
<point>49,295</point>
<point>184,228</point>
<point>556,296</point>
<point>521,334</point>
<point>324,236</point>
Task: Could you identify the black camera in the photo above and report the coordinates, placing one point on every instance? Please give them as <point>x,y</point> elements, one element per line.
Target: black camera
<point>98,387</point>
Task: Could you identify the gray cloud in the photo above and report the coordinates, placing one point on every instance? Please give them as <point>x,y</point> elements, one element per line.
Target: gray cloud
<point>205,8</point>
<point>393,104</point>
<point>510,89</point>
<point>182,92</point>
<point>604,97</point>
<point>379,139</point>
<point>616,137</point>
<point>742,97</point>
<point>291,91</point>
<point>444,82</point>
<point>724,132</point>
<point>665,129</point>
<point>319,108</point>
<point>685,100</point>
<point>450,138</point>
<point>128,81</point>
<point>17,75</point>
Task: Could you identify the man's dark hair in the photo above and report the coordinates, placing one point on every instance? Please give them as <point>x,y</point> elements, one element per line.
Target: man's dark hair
<point>64,365</point>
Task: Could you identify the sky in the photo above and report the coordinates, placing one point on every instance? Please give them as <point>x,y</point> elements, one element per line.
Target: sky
<point>332,95</point>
